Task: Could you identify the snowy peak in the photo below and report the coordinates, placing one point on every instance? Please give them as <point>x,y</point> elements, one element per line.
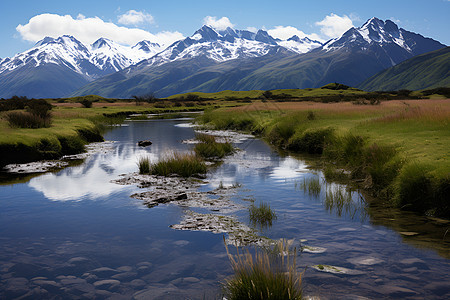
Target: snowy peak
<point>218,45</point>
<point>103,57</point>
<point>101,43</point>
<point>206,34</point>
<point>147,46</point>
<point>299,45</point>
<point>45,40</point>
<point>372,32</point>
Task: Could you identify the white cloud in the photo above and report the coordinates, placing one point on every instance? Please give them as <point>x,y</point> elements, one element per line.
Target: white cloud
<point>88,30</point>
<point>133,17</point>
<point>252,29</point>
<point>220,24</point>
<point>395,20</point>
<point>334,25</point>
<point>285,32</point>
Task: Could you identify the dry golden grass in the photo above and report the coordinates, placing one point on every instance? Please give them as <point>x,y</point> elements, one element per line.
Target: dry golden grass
<point>348,107</point>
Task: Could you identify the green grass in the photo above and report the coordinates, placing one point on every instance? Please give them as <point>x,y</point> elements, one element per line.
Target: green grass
<point>181,164</point>
<point>257,94</point>
<point>267,274</point>
<point>374,143</point>
<point>208,148</point>
<point>261,215</point>
<point>144,165</point>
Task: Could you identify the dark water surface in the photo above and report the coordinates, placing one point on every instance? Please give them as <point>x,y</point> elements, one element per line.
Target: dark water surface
<point>75,235</point>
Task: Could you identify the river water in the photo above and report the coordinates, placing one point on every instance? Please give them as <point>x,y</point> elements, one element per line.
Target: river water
<point>73,234</point>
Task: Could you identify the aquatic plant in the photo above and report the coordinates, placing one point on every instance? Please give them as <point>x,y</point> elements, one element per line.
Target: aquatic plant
<point>311,185</point>
<point>267,274</point>
<point>182,164</point>
<point>262,214</point>
<point>340,200</point>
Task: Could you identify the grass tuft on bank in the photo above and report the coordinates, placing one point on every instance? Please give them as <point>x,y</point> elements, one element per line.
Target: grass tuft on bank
<point>181,164</point>
<point>267,274</point>
<point>209,148</point>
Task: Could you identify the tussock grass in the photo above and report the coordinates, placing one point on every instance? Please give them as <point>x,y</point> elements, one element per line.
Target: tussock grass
<point>144,165</point>
<point>262,215</point>
<point>182,164</point>
<point>267,274</point>
<point>208,148</point>
<point>18,119</point>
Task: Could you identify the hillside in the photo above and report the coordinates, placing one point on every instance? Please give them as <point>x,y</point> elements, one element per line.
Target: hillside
<point>426,71</point>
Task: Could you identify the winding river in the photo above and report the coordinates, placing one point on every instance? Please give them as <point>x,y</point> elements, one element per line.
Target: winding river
<point>74,234</point>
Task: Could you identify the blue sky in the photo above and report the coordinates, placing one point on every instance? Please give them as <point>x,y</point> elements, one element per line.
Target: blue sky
<point>22,23</point>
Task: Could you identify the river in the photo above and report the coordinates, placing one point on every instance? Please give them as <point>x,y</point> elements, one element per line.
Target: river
<point>74,234</point>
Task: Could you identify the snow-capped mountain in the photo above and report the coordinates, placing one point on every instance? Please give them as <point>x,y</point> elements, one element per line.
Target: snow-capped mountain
<point>219,46</point>
<point>385,37</point>
<point>93,61</point>
<point>75,63</point>
<point>208,60</point>
<point>65,51</point>
<point>111,56</point>
<point>299,45</point>
<point>211,61</point>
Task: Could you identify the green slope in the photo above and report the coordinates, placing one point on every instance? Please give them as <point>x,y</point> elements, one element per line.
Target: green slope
<point>426,71</point>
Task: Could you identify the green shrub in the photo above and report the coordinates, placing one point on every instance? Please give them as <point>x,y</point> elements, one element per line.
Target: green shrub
<point>268,274</point>
<point>39,107</point>
<point>20,119</point>
<point>86,103</point>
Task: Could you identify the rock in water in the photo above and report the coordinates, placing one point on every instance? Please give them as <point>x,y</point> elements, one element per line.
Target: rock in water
<point>144,143</point>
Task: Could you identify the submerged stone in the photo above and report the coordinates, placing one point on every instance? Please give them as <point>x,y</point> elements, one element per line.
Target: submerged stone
<point>315,250</point>
<point>336,270</point>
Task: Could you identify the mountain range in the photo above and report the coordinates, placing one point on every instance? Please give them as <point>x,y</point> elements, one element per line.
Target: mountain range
<point>208,61</point>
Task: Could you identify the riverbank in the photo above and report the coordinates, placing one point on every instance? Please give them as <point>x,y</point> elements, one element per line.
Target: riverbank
<point>398,150</point>
<point>72,127</point>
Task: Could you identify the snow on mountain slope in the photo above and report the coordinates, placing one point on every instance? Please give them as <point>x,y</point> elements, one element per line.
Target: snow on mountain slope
<point>374,31</point>
<point>219,46</point>
<point>66,51</point>
<point>93,61</point>
<point>298,45</point>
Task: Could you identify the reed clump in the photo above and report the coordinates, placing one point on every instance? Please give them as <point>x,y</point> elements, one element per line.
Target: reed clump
<point>181,164</point>
<point>262,214</point>
<point>209,148</point>
<point>267,274</point>
<point>311,185</point>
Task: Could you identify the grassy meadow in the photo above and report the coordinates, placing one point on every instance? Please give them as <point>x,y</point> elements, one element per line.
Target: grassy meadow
<point>399,150</point>
<point>72,126</point>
